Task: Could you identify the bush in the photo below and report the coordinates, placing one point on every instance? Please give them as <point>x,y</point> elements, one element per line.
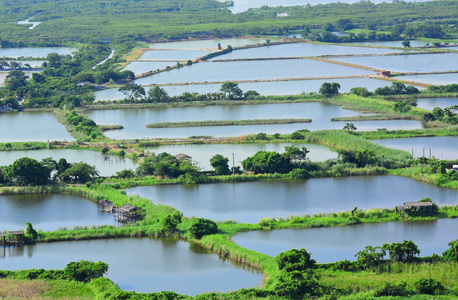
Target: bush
<point>429,286</point>
<point>297,136</point>
<point>85,271</point>
<point>203,227</point>
<point>392,289</point>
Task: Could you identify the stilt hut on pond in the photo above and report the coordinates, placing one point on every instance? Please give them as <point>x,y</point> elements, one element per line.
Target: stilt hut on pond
<point>415,208</point>
<point>128,213</point>
<point>2,238</point>
<point>15,237</point>
<point>105,205</point>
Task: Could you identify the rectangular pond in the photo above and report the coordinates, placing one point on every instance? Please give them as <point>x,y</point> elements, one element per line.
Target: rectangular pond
<point>442,147</point>
<point>430,103</point>
<point>252,201</point>
<point>201,154</point>
<point>173,54</point>
<point>35,51</point>
<point>140,67</point>
<point>49,212</point>
<point>331,244</point>
<point>107,165</point>
<point>406,63</point>
<point>211,44</point>
<point>301,49</point>
<point>277,88</point>
<point>32,127</point>
<point>251,70</point>
<point>435,79</point>
<point>135,120</point>
<point>141,265</point>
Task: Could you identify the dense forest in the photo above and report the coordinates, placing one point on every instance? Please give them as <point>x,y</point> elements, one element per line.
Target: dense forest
<point>148,20</point>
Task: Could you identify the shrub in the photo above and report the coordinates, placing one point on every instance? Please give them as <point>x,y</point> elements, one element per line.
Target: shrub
<point>203,227</point>
<point>392,289</point>
<point>85,271</point>
<point>429,286</point>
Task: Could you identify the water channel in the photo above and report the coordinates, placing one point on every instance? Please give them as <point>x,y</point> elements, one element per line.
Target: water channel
<point>142,265</point>
<point>107,165</point>
<point>135,120</point>
<point>32,126</point>
<point>49,212</point>
<point>201,154</point>
<point>252,201</point>
<point>442,147</point>
<point>339,243</point>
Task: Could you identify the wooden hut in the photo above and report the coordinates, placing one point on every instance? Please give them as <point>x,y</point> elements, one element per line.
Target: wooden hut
<point>426,207</point>
<point>182,156</point>
<point>15,237</point>
<point>385,73</point>
<point>105,205</point>
<point>128,213</point>
<point>2,238</point>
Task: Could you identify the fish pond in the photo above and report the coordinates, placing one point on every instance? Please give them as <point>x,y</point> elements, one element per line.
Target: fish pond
<point>107,165</point>
<point>142,265</point>
<point>135,120</point>
<point>406,63</point>
<point>35,51</point>
<point>206,44</point>
<point>302,49</point>
<point>430,103</point>
<point>330,244</point>
<point>442,147</point>
<point>251,70</point>
<point>32,126</point>
<point>252,201</point>
<point>435,79</point>
<point>49,212</point>
<point>202,153</point>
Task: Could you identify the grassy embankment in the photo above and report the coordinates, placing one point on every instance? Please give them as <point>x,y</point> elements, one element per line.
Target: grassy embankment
<point>226,123</point>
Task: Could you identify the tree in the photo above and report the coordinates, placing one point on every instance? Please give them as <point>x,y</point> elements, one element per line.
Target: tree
<point>170,222</point>
<point>15,79</point>
<point>406,43</point>
<point>296,154</point>
<point>220,164</point>
<point>132,91</point>
<point>85,271</point>
<point>267,162</point>
<point>231,89</point>
<point>402,252</point>
<point>329,89</point>
<point>452,253</point>
<point>203,227</point>
<point>370,256</point>
<point>360,91</point>
<point>349,127</point>
<point>295,260</point>
<point>364,157</point>
<point>157,94</point>
<point>125,174</point>
<point>250,94</point>
<point>26,171</point>
<point>80,172</point>
<point>30,231</point>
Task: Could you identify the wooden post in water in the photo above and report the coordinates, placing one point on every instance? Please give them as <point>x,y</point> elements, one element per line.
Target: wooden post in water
<point>429,153</point>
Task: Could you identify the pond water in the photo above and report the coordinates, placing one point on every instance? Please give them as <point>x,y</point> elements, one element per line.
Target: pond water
<point>49,212</point>
<point>243,5</point>
<point>394,43</point>
<point>251,70</point>
<point>201,154</point>
<point>173,54</point>
<point>301,49</point>
<point>36,64</point>
<point>436,79</point>
<point>35,51</point>
<point>430,103</point>
<point>339,243</point>
<point>106,167</point>
<point>293,87</point>
<point>32,126</point>
<point>135,120</point>
<point>147,265</point>
<point>442,147</point>
<point>206,44</point>
<point>406,63</point>
<point>140,67</point>
<point>252,201</point>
